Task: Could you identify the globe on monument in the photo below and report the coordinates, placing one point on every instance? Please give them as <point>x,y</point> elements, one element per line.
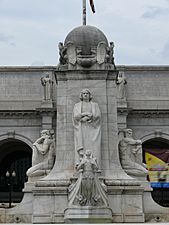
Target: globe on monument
<point>86,38</point>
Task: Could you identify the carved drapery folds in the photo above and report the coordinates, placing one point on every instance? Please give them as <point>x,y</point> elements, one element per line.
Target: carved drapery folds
<point>130,152</point>
<point>43,155</point>
<point>121,82</point>
<point>71,54</point>
<point>87,189</point>
<point>87,127</point>
<point>47,83</point>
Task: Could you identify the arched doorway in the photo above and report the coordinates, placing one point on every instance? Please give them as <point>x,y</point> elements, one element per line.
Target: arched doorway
<point>15,156</point>
<point>156,156</point>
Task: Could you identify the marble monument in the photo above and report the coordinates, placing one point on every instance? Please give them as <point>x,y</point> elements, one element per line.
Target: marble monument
<point>86,164</point>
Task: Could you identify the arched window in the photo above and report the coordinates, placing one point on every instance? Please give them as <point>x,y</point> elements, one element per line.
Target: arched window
<point>156,156</point>
<point>15,155</point>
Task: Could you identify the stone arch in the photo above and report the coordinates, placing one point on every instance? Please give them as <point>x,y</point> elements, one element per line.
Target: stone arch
<point>15,156</point>
<point>17,136</point>
<point>157,144</point>
<point>156,134</point>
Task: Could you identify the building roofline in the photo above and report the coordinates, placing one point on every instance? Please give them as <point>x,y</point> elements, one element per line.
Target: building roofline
<point>53,68</point>
<point>143,67</point>
<point>26,68</point>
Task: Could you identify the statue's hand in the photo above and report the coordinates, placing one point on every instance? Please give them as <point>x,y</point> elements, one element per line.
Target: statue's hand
<point>87,114</point>
<point>84,119</point>
<point>89,121</point>
<point>139,142</point>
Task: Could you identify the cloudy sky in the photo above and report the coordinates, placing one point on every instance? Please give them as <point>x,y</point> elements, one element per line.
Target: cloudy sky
<point>30,30</point>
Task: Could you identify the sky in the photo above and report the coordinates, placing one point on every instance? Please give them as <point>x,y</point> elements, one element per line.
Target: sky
<point>30,30</point>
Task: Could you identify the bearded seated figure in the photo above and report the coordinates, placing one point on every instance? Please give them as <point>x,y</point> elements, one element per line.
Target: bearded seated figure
<point>130,150</point>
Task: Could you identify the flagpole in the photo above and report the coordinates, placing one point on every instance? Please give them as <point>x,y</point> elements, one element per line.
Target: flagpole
<point>84,12</point>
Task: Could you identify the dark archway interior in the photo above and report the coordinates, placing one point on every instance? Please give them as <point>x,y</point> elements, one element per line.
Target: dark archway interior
<point>156,143</point>
<point>159,194</point>
<point>15,156</point>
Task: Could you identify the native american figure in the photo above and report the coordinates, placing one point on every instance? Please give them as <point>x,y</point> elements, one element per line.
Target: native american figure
<point>128,150</point>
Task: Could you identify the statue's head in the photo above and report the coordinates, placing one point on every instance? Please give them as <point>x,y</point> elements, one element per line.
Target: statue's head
<point>45,132</point>
<point>47,74</point>
<point>112,44</point>
<point>60,45</point>
<point>120,74</point>
<point>128,132</point>
<point>88,153</point>
<point>85,93</point>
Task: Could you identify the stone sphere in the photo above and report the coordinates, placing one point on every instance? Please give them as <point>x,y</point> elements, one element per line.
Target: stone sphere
<point>86,37</point>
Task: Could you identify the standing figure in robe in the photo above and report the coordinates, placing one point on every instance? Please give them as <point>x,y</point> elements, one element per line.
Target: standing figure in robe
<point>47,83</point>
<point>121,82</point>
<point>88,190</point>
<point>87,127</point>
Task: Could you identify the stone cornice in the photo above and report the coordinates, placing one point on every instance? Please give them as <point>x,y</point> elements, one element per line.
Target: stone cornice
<point>143,68</point>
<point>149,112</point>
<point>18,113</point>
<point>142,112</point>
<point>27,113</point>
<point>27,68</point>
<point>85,75</point>
<point>46,111</point>
<point>123,110</point>
<point>55,68</point>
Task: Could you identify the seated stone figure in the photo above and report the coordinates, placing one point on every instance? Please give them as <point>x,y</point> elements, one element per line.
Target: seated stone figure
<point>43,155</point>
<point>129,151</point>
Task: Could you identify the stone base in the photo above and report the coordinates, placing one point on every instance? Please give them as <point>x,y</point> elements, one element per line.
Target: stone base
<point>39,175</point>
<point>121,103</point>
<point>46,104</point>
<point>47,203</point>
<point>88,215</point>
<point>134,218</point>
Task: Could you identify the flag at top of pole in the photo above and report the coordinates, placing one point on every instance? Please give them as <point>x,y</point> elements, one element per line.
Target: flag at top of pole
<point>84,9</point>
<point>92,6</point>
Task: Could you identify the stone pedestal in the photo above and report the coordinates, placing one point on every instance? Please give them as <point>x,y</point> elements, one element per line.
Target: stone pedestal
<point>22,213</point>
<point>124,198</point>
<point>49,203</point>
<point>46,104</point>
<point>126,202</point>
<point>88,215</point>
